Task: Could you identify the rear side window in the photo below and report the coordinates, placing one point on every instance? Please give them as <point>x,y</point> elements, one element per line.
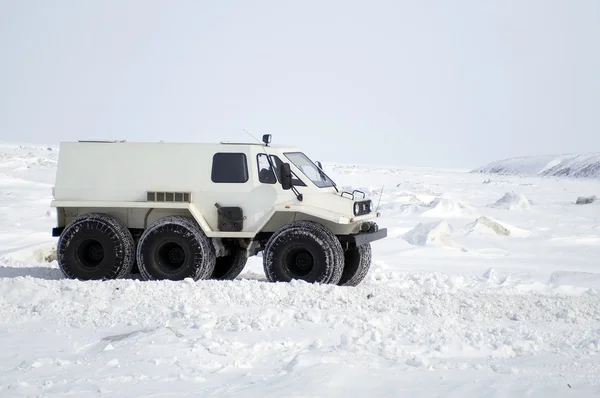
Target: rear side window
<point>229,167</point>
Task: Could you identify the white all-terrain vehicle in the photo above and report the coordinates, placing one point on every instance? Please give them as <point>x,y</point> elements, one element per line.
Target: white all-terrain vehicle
<point>188,210</point>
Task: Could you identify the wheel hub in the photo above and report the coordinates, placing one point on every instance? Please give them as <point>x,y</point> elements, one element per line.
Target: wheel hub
<point>96,252</point>
<point>170,257</point>
<point>300,262</point>
<point>304,261</point>
<point>90,253</point>
<point>176,255</point>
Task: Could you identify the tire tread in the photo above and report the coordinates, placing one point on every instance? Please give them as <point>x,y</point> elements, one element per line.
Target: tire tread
<point>318,232</point>
<point>357,265</point>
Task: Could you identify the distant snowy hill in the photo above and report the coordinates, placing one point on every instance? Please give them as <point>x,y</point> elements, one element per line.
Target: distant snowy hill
<point>570,165</point>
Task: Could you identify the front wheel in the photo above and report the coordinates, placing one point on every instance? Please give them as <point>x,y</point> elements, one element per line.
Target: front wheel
<point>303,250</point>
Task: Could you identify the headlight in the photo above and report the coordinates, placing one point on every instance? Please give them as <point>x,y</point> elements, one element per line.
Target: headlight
<point>363,207</point>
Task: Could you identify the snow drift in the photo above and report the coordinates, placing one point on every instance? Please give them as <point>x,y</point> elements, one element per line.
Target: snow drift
<point>512,201</point>
<point>569,165</point>
<point>436,233</point>
<point>487,226</point>
<point>447,207</point>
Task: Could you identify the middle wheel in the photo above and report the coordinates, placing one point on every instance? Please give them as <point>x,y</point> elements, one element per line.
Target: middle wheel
<point>175,248</point>
<point>303,250</point>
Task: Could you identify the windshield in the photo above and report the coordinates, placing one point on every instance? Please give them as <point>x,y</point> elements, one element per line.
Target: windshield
<point>309,169</point>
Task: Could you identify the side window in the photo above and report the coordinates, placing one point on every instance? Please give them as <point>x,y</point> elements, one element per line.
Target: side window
<point>265,171</point>
<point>277,163</point>
<point>229,168</point>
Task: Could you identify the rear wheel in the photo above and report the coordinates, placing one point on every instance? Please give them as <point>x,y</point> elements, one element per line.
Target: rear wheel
<point>230,266</point>
<point>95,246</point>
<point>303,250</point>
<point>357,261</point>
<point>175,248</point>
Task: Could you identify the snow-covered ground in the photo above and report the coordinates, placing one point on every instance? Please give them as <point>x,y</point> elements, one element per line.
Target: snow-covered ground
<point>568,165</point>
<point>487,285</point>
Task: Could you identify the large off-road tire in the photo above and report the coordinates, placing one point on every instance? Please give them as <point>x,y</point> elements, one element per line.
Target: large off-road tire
<point>357,261</point>
<point>95,246</point>
<point>175,248</point>
<point>303,250</point>
<point>230,266</point>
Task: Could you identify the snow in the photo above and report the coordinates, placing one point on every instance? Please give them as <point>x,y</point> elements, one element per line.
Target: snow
<point>436,232</point>
<point>452,305</point>
<point>513,201</point>
<point>567,165</point>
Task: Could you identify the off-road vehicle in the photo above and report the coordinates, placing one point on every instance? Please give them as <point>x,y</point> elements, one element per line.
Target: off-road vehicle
<point>194,210</point>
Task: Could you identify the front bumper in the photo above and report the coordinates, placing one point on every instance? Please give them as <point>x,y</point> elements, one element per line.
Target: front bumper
<point>364,237</point>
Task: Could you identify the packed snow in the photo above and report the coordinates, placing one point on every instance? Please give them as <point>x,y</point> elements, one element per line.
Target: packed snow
<point>568,165</point>
<point>472,294</point>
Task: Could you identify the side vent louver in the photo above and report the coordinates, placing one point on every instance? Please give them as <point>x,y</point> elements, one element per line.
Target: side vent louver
<point>178,197</point>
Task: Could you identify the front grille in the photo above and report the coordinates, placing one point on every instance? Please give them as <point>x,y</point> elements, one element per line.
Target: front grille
<point>361,208</point>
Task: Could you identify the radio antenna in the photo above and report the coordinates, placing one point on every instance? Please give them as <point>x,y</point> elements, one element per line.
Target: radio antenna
<point>251,136</point>
<point>380,194</point>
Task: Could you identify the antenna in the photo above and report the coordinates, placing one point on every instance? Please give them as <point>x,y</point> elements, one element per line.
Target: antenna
<point>251,135</point>
<point>380,194</point>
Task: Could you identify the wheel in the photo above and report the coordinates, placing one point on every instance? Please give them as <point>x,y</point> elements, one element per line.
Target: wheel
<point>95,246</point>
<point>303,250</point>
<point>357,261</point>
<point>230,266</point>
<point>175,248</point>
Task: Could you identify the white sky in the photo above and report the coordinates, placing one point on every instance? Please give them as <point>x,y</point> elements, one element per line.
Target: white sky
<point>454,84</point>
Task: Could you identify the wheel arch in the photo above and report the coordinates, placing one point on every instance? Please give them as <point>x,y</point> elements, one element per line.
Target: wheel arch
<point>281,218</point>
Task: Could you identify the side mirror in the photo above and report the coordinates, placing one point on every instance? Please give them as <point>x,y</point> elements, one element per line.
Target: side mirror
<point>286,176</point>
<point>319,165</point>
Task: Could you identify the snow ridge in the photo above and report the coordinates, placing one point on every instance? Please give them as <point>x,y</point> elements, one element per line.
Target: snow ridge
<point>567,165</point>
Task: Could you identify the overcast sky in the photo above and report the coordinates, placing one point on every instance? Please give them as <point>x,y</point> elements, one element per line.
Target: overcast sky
<point>444,83</point>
